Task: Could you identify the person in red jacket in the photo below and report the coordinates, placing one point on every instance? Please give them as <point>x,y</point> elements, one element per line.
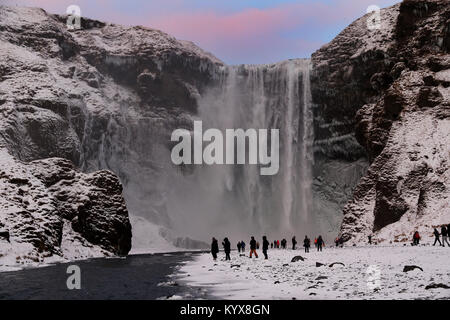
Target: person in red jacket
<point>416,238</point>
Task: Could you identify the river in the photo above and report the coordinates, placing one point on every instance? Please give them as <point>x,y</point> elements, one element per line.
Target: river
<point>146,276</point>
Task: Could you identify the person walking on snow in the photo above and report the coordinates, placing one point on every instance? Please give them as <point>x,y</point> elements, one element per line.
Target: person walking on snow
<point>320,243</point>
<point>306,243</point>
<point>436,237</point>
<point>294,242</point>
<point>445,233</point>
<point>265,247</point>
<point>227,248</point>
<point>214,248</point>
<point>239,246</point>
<point>253,247</point>
<point>370,239</point>
<point>242,246</point>
<point>416,238</point>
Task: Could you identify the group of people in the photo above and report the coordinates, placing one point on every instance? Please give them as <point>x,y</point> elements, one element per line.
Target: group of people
<point>254,245</point>
<point>445,233</point>
<point>318,242</point>
<point>278,243</point>
<point>339,242</point>
<point>241,246</point>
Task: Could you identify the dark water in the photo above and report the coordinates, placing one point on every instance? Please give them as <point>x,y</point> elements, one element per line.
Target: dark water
<point>133,277</point>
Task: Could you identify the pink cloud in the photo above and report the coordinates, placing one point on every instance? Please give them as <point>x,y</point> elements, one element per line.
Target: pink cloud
<point>211,25</point>
<point>257,35</point>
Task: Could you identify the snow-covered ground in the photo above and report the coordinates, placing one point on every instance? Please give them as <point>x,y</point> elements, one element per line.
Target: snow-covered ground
<point>374,272</point>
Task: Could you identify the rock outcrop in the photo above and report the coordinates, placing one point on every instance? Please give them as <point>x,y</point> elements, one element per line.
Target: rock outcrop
<point>48,208</point>
<point>391,85</point>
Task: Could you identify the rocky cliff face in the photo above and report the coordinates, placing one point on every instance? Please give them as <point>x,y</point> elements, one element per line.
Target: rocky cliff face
<point>103,97</point>
<point>391,85</point>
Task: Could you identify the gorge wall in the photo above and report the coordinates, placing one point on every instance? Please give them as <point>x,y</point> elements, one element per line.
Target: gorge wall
<point>391,86</point>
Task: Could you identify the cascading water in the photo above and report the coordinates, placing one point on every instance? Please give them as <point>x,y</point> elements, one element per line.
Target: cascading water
<point>236,200</point>
<point>199,201</point>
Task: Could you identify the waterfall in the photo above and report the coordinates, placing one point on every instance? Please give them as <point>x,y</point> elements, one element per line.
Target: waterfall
<point>199,201</point>
<point>235,199</point>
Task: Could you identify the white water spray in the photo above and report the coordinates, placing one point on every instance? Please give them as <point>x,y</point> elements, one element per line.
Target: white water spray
<point>260,97</point>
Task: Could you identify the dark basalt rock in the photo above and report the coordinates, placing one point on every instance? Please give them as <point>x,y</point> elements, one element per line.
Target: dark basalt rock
<point>429,97</point>
<point>297,258</point>
<point>318,264</point>
<point>411,268</point>
<point>436,286</point>
<point>335,263</point>
<point>5,235</point>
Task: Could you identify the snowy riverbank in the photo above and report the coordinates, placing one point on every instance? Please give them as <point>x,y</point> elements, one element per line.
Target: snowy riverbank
<point>369,273</point>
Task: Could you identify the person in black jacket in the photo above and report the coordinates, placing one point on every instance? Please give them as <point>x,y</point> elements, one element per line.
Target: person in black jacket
<point>227,248</point>
<point>239,245</point>
<point>265,247</point>
<point>214,248</point>
<point>294,242</point>
<point>444,233</point>
<point>319,243</point>
<point>436,237</point>
<point>253,247</point>
<point>306,243</point>
<point>283,243</point>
